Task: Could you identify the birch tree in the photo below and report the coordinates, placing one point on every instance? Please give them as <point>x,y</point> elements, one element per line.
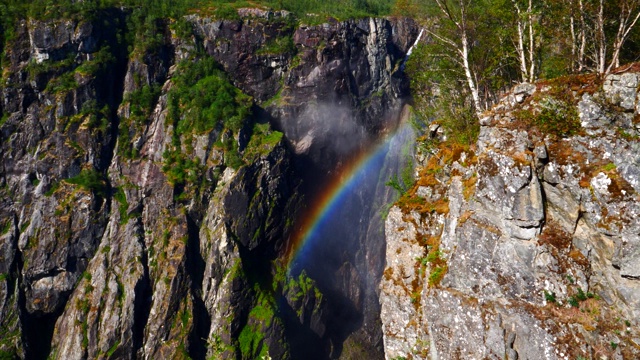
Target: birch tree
<point>455,34</point>
<point>599,30</point>
<point>526,46</point>
<point>629,12</point>
<point>578,30</point>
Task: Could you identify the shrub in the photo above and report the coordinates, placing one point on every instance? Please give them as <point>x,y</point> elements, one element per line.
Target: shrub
<point>262,141</point>
<point>203,98</point>
<point>62,83</point>
<point>552,112</point>
<point>90,180</point>
<point>281,45</point>
<point>550,296</point>
<point>557,117</point>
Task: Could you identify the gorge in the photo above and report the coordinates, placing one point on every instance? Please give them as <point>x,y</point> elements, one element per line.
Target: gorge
<point>255,186</point>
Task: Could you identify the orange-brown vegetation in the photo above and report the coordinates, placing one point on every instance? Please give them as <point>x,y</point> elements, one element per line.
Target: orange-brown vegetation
<point>561,247</point>
<point>580,83</point>
<point>594,316</point>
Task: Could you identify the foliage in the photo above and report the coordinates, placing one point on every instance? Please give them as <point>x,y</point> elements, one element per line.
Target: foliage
<point>438,97</point>
<point>395,184</point>
<point>553,112</point>
<point>142,102</point>
<point>262,141</point>
<point>557,117</point>
<point>550,296</point>
<point>208,99</point>
<point>251,338</point>
<point>98,63</point>
<point>180,169</point>
<point>202,100</point>
<point>90,180</point>
<point>405,181</point>
<point>6,227</point>
<point>579,296</point>
<point>280,45</point>
<point>120,196</point>
<point>436,275</point>
<point>63,83</point>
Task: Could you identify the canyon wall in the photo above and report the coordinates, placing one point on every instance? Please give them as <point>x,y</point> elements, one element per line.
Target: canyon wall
<point>135,224</point>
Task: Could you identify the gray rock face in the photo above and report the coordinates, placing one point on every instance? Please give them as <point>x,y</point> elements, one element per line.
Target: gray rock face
<point>621,90</point>
<point>535,255</point>
<point>105,252</point>
<point>336,88</point>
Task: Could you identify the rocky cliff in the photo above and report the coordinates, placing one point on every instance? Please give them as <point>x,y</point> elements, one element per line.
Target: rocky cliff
<point>525,244</point>
<point>148,191</point>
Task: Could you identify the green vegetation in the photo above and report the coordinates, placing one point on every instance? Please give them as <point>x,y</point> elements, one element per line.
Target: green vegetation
<point>6,227</point>
<point>142,102</point>
<point>90,180</point>
<point>558,117</point>
<point>552,112</point>
<point>180,169</point>
<point>10,332</point>
<point>202,100</point>
<point>52,189</point>
<point>262,141</point>
<point>209,98</point>
<point>123,205</point>
<point>251,338</point>
<point>579,297</point>
<point>63,83</point>
<point>113,348</point>
<point>406,180</point>
<point>281,45</point>
<point>550,296</point>
<point>438,97</point>
<point>12,10</point>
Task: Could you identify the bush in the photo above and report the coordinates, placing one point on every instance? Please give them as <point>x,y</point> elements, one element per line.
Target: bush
<point>438,98</point>
<point>90,180</point>
<point>557,117</point>
<point>262,141</point>
<point>552,112</point>
<point>207,99</point>
<point>281,45</point>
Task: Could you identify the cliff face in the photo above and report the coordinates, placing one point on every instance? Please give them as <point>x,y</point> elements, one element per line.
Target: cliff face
<point>130,229</point>
<point>524,245</point>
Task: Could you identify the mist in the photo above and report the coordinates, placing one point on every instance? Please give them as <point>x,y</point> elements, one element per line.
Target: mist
<point>345,255</point>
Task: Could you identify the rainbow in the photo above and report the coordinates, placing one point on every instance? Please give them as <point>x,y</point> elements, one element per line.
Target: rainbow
<point>349,177</point>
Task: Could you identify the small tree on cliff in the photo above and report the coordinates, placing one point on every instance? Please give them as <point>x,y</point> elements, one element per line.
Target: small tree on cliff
<point>467,45</point>
<point>455,31</point>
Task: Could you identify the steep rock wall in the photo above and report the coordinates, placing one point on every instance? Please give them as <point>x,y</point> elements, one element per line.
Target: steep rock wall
<point>524,245</point>
<point>109,250</point>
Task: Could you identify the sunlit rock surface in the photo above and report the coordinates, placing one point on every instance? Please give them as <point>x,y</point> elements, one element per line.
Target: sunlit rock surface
<point>525,244</point>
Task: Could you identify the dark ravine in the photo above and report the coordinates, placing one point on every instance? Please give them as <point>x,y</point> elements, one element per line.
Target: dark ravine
<point>118,259</point>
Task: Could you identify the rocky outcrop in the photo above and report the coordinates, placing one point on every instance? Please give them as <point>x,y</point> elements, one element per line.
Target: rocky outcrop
<point>523,245</point>
<point>127,235</point>
<point>329,87</point>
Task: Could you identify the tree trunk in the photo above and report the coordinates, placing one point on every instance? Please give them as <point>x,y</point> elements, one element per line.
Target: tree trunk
<point>520,46</point>
<point>583,37</point>
<point>602,47</point>
<point>532,62</point>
